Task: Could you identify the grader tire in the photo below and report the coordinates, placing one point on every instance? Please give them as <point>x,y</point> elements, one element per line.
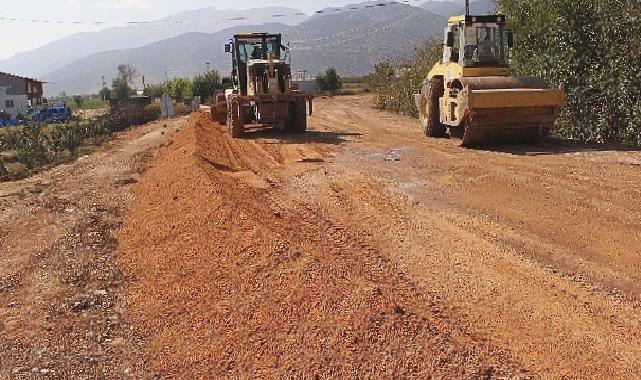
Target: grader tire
<point>235,119</point>
<point>220,108</point>
<point>297,118</point>
<point>301,117</point>
<point>429,113</point>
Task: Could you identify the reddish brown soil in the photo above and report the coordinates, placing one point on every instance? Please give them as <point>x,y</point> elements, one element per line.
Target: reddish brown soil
<point>61,313</point>
<point>359,250</point>
<point>363,249</point>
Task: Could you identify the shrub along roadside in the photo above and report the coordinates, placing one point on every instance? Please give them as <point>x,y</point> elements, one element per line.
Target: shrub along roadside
<point>395,81</point>
<point>594,48</point>
<point>37,145</point>
<point>3,170</point>
<point>32,146</point>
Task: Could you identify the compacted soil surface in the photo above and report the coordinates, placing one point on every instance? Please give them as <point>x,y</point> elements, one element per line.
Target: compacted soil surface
<point>361,249</point>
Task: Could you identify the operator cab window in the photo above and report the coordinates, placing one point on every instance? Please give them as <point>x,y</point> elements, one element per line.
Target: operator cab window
<point>252,49</point>
<point>273,48</point>
<point>485,45</point>
<point>454,57</point>
<point>244,51</point>
<point>257,51</point>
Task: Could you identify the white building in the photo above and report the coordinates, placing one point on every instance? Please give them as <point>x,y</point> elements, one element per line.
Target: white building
<point>18,93</point>
<point>14,105</point>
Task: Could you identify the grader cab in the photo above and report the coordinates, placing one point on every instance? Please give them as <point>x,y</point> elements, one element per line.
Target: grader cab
<point>262,94</point>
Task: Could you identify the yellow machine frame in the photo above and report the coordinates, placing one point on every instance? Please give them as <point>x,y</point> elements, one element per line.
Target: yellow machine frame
<point>486,100</point>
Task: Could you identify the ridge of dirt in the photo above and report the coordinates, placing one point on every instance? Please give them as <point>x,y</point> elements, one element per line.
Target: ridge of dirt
<point>227,280</point>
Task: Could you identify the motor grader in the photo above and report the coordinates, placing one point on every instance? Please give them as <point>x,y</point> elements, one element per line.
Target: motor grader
<point>262,95</point>
<point>471,95</point>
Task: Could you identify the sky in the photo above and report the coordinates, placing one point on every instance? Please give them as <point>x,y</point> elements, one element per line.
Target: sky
<point>24,36</point>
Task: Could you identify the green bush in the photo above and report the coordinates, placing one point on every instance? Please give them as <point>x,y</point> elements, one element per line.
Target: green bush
<point>395,81</point>
<point>329,81</point>
<point>122,117</point>
<point>31,145</point>
<point>207,85</point>
<point>180,88</point>
<point>3,170</point>
<point>97,130</point>
<point>79,100</point>
<point>155,90</point>
<point>68,137</point>
<point>593,47</point>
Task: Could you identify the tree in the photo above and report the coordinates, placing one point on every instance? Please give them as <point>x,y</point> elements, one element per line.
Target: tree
<point>155,90</point>
<point>206,85</point>
<point>127,73</point>
<point>329,81</point>
<point>79,100</point>
<point>589,47</point>
<point>121,85</point>
<point>395,81</point>
<point>180,88</point>
<point>105,93</point>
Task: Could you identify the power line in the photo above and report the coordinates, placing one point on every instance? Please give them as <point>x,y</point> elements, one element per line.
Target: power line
<point>6,19</point>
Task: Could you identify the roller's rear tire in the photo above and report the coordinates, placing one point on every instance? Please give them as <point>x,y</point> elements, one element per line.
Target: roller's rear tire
<point>429,113</point>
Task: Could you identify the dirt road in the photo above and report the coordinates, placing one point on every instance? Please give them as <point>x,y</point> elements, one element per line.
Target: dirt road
<point>61,311</point>
<point>363,249</point>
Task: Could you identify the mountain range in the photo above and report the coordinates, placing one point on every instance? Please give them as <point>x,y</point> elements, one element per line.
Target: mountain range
<point>208,20</point>
<point>454,8</point>
<point>351,38</point>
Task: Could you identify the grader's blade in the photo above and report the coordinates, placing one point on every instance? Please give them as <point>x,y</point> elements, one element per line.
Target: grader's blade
<point>509,115</point>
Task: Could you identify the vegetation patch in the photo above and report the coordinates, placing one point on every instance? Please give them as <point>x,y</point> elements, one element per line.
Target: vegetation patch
<point>395,81</point>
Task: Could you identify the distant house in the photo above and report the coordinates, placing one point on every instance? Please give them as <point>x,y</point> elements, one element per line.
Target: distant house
<point>18,93</point>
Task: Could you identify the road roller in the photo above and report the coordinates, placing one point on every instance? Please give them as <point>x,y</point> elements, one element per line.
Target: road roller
<point>471,95</point>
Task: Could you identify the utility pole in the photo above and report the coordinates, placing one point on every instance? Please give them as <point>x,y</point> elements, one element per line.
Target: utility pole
<point>467,7</point>
<point>207,66</point>
<point>104,85</point>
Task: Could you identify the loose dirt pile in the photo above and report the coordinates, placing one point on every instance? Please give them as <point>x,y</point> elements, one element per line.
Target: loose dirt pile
<point>228,280</point>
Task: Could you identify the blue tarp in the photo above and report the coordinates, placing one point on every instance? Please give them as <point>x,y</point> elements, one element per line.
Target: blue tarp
<point>53,114</point>
<point>7,123</point>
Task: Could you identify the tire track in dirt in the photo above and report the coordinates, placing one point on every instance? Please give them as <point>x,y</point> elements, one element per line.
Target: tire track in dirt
<point>454,253</point>
<point>494,238</point>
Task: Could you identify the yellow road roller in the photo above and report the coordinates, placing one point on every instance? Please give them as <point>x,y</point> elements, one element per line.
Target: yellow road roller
<point>471,95</point>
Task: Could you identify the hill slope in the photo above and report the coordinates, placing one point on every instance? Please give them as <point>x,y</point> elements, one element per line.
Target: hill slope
<point>452,8</point>
<point>55,55</point>
<point>354,41</point>
<point>350,40</point>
